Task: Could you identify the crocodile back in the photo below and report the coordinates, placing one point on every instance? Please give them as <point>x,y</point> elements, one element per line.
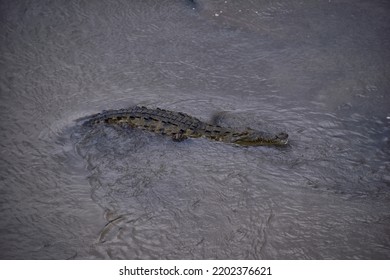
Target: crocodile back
<point>156,120</point>
<point>180,126</point>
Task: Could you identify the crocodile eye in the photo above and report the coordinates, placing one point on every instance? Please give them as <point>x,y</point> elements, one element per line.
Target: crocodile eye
<point>282,135</point>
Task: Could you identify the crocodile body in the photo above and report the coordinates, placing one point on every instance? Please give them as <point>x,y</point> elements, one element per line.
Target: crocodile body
<point>181,126</point>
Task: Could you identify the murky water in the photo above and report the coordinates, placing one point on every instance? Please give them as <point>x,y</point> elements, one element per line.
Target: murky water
<point>317,70</point>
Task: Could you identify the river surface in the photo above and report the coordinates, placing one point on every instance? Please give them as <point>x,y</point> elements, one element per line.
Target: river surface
<point>318,70</point>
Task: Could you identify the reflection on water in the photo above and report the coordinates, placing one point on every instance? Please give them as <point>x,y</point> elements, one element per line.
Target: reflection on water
<point>317,71</point>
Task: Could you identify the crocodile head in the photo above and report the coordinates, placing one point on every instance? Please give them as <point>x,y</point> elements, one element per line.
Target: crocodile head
<point>257,138</point>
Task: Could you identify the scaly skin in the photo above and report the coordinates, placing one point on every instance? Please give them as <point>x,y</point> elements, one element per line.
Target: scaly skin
<point>181,126</point>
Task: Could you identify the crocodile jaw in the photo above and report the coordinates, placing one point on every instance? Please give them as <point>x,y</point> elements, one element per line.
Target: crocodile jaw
<point>261,139</point>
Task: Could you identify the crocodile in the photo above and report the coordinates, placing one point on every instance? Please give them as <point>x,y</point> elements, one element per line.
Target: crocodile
<point>180,126</point>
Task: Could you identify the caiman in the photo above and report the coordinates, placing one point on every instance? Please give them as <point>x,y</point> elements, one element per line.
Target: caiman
<point>181,126</point>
